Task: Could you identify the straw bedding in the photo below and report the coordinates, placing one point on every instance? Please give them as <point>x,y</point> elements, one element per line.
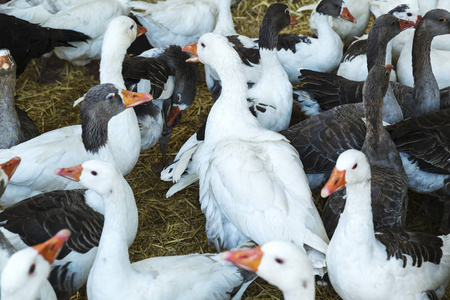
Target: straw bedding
<point>176,225</point>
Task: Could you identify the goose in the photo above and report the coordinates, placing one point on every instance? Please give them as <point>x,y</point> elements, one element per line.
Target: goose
<point>26,41</point>
<point>7,170</point>
<point>26,271</point>
<point>398,264</point>
<point>35,219</point>
<point>270,99</point>
<point>91,18</point>
<point>323,53</point>
<point>15,124</point>
<point>171,80</point>
<point>196,276</point>
<point>335,90</point>
<point>347,31</point>
<point>353,65</point>
<point>68,145</point>
<point>282,264</point>
<point>423,98</point>
<point>165,27</point>
<point>267,164</point>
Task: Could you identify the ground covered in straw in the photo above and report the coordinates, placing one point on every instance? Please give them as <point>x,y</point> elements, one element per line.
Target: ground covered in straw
<point>176,225</point>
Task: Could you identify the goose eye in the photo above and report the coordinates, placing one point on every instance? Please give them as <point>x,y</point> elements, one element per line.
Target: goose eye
<point>110,97</point>
<point>286,11</point>
<point>355,166</point>
<point>279,261</point>
<point>441,20</point>
<point>203,45</point>
<point>131,27</point>
<point>178,98</point>
<point>409,14</point>
<point>337,6</point>
<point>31,270</point>
<point>94,173</point>
<point>393,23</point>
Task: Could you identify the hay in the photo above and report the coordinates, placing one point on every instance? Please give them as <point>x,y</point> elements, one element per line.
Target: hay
<point>176,225</point>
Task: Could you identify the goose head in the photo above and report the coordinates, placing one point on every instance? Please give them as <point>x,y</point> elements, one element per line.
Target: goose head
<point>7,63</point>
<point>99,176</point>
<point>100,104</point>
<point>7,170</point>
<point>352,167</point>
<point>405,12</point>
<point>435,22</point>
<point>123,30</point>
<point>335,9</point>
<point>281,263</point>
<point>28,269</point>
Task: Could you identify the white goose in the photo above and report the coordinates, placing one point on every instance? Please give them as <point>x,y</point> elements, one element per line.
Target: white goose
<point>346,30</point>
<point>165,27</point>
<point>252,183</point>
<point>70,145</point>
<point>25,274</point>
<point>282,264</point>
<point>389,264</point>
<point>112,276</point>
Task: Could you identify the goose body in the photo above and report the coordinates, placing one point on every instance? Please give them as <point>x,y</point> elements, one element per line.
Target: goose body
<point>86,17</point>
<point>399,264</point>
<point>236,146</point>
<point>16,126</point>
<point>68,145</point>
<point>165,27</point>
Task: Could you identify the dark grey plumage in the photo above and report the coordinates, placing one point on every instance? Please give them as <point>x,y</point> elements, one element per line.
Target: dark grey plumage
<point>96,110</point>
<point>248,55</point>
<point>15,124</point>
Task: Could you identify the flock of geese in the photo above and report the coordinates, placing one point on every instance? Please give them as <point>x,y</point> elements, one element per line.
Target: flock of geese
<point>373,132</point>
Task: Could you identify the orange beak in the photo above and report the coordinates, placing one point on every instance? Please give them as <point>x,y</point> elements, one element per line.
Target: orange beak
<point>5,62</point>
<point>245,259</point>
<point>10,166</point>
<point>175,111</point>
<point>140,30</point>
<point>390,68</point>
<point>134,99</point>
<point>51,248</point>
<point>72,173</point>
<point>346,15</point>
<point>334,183</point>
<point>191,48</point>
<point>405,24</point>
<point>419,17</point>
<point>294,21</point>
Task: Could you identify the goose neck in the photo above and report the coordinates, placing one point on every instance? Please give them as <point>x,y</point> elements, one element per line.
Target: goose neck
<point>224,23</point>
<point>9,120</point>
<point>324,28</point>
<point>111,62</point>
<point>376,48</point>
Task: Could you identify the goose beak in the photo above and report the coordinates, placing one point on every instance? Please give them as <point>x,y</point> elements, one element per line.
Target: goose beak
<point>294,21</point>
<point>10,166</point>
<point>245,259</point>
<point>5,62</point>
<point>191,48</point>
<point>346,15</point>
<point>140,30</point>
<point>132,99</point>
<point>334,183</point>
<point>404,24</point>
<point>390,68</point>
<point>175,111</point>
<point>419,17</point>
<point>72,173</point>
<point>51,248</point>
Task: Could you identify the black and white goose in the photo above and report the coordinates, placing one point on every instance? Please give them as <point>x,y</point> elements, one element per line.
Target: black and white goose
<point>353,65</point>
<point>69,145</point>
<point>321,138</point>
<point>397,264</point>
<point>15,124</point>
<point>171,80</point>
<point>321,91</point>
